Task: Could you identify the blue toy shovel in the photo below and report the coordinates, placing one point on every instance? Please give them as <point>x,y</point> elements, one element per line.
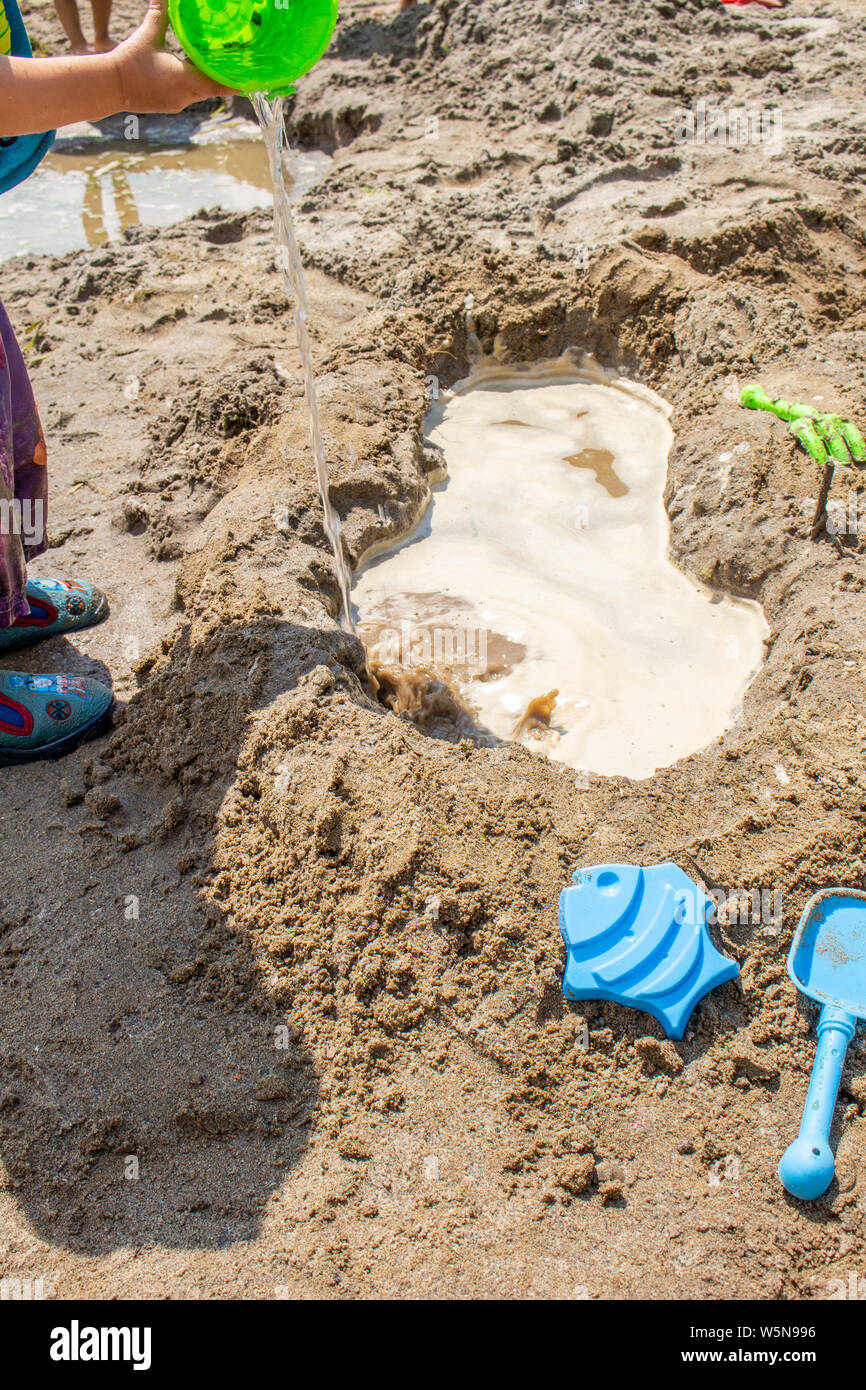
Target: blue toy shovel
<point>827,962</point>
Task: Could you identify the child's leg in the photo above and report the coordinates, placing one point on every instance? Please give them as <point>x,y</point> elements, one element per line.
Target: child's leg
<point>67,13</point>
<point>23,477</point>
<point>102,41</point>
<point>41,608</point>
<point>40,716</point>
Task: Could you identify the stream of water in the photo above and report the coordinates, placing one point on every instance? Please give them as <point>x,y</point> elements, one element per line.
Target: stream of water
<point>270,115</point>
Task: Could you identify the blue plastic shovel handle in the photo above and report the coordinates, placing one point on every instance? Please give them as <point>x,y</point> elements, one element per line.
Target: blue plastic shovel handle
<point>807,1165</point>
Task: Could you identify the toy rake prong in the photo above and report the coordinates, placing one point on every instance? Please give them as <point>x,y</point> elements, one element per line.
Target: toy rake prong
<point>855,441</point>
<point>805,432</point>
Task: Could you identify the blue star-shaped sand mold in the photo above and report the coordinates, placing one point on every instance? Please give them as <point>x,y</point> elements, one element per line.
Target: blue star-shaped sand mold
<point>639,937</point>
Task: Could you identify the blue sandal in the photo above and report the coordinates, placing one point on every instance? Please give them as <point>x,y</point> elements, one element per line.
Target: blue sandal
<point>56,606</point>
<point>45,716</point>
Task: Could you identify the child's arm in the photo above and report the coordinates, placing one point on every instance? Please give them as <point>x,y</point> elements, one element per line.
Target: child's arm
<point>38,94</point>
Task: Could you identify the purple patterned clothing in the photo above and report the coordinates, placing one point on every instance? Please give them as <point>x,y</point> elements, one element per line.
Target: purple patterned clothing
<point>23,477</point>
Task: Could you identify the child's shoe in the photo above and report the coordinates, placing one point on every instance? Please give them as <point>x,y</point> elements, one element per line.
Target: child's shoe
<point>56,606</point>
<point>44,716</point>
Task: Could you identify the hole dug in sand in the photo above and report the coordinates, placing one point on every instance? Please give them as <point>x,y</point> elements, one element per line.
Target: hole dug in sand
<point>537,592</point>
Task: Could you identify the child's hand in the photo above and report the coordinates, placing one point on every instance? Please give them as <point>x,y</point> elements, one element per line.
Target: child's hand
<point>37,94</point>
<point>152,80</point>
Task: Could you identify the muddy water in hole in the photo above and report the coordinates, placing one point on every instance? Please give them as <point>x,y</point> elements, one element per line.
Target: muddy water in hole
<point>537,584</point>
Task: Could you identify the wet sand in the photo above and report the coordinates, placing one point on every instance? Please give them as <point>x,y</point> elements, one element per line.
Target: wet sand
<point>301,959</point>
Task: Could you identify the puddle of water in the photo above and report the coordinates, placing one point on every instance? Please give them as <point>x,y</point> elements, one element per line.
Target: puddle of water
<point>93,185</point>
<point>538,581</point>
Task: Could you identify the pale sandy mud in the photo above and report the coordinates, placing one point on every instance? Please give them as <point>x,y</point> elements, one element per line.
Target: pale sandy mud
<point>298,957</point>
<point>548,535</point>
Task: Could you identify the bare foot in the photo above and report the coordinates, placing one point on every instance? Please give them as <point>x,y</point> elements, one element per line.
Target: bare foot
<point>80,49</point>
<point>104,43</point>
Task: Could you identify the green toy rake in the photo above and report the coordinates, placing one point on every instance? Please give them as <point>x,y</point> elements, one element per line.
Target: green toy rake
<point>828,439</point>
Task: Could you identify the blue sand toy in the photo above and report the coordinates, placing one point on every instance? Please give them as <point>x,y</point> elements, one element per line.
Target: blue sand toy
<point>639,937</point>
<point>827,962</point>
